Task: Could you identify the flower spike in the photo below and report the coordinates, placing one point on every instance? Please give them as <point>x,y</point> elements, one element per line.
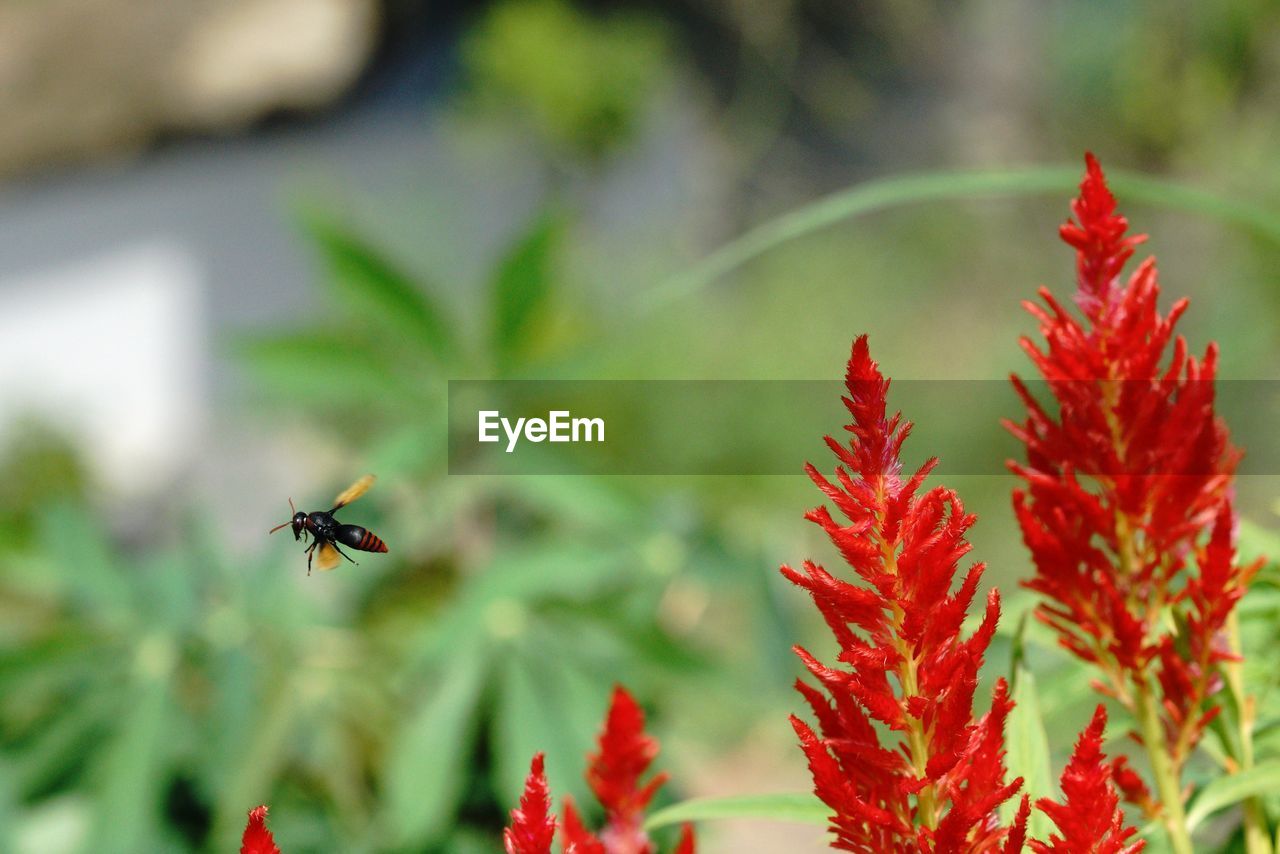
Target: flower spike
<point>615,774</point>
<point>1089,818</point>
<point>903,662</point>
<point>533,828</point>
<point>257,839</point>
<point>1127,503</point>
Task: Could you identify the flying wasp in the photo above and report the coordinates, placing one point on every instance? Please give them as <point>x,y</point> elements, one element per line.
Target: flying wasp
<point>329,532</point>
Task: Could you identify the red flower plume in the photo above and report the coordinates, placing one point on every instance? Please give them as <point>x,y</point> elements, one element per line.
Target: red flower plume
<point>1089,819</point>
<point>533,828</point>
<point>615,773</point>
<point>257,839</point>
<point>625,753</point>
<point>687,844</point>
<point>1127,508</point>
<point>905,664</point>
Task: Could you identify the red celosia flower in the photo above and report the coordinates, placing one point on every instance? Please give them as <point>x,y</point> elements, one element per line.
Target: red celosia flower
<point>687,844</point>
<point>625,753</point>
<point>577,839</point>
<point>906,665</point>
<point>257,839</point>
<point>614,774</point>
<point>1127,509</point>
<point>1089,819</point>
<point>533,828</point>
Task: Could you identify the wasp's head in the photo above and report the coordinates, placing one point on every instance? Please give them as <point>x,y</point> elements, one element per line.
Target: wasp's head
<point>298,522</point>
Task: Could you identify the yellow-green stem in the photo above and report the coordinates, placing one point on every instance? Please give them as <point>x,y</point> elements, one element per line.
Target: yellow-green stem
<point>1166,776</point>
<point>1256,838</point>
<point>917,739</point>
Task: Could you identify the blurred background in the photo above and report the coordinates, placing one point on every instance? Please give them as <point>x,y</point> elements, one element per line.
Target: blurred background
<point>244,244</point>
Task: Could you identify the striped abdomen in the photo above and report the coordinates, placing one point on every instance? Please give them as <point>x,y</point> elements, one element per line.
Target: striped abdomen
<point>360,538</point>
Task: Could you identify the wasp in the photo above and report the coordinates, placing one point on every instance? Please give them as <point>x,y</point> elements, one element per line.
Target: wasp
<point>328,531</point>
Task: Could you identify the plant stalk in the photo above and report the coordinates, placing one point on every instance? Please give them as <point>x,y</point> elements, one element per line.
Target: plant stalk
<point>917,739</point>
<point>1256,838</point>
<point>1172,813</point>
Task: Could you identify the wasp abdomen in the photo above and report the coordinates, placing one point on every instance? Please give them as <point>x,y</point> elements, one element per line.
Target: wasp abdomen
<point>360,538</point>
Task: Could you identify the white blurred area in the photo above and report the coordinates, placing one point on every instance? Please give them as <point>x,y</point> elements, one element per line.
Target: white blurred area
<point>109,350</point>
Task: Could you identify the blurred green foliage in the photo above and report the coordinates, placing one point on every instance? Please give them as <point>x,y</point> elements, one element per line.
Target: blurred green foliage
<point>153,693</point>
<point>1163,83</point>
<point>38,467</point>
<point>524,597</point>
<point>580,81</point>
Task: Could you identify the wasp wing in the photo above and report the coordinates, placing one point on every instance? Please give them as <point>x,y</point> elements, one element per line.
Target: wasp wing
<point>352,492</point>
<point>327,557</point>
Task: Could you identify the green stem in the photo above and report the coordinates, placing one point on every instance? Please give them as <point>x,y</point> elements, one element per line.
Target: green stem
<point>1167,785</point>
<point>1256,838</point>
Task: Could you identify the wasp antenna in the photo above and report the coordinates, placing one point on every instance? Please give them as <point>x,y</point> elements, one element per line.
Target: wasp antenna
<point>292,509</point>
<point>278,527</point>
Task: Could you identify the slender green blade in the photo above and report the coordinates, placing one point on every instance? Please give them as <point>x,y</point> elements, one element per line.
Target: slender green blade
<point>895,191</point>
<point>793,807</point>
<point>1232,789</point>
<point>427,759</point>
<point>131,776</point>
<point>533,715</point>
<point>1027,753</point>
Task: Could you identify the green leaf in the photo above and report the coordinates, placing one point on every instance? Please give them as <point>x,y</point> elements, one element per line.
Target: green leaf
<point>83,563</point>
<point>62,742</point>
<point>1225,791</point>
<point>522,727</point>
<point>131,775</point>
<point>427,762</point>
<point>579,500</point>
<point>521,289</point>
<point>407,451</point>
<point>1257,541</point>
<point>257,744</point>
<point>377,289</point>
<point>326,366</point>
<point>1027,753</point>
<point>573,571</point>
<point>8,810</point>
<point>898,190</point>
<point>465,840</point>
<point>534,714</point>
<point>170,585</point>
<point>520,579</point>
<point>794,807</point>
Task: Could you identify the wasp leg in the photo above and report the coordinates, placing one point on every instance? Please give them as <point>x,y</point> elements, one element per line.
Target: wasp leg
<point>344,554</point>
<point>310,549</point>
